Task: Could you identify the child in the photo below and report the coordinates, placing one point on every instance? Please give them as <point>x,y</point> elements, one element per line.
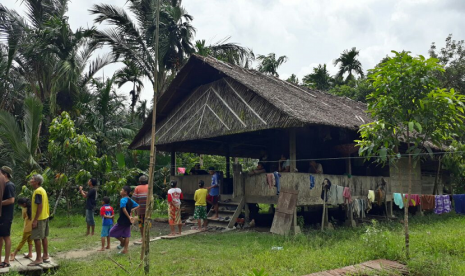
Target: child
<point>122,229</point>
<point>200,212</point>
<point>25,204</point>
<point>108,215</point>
<point>174,207</point>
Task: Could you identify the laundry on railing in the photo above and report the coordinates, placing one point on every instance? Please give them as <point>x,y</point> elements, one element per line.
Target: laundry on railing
<point>459,202</point>
<point>276,178</point>
<point>347,195</point>
<point>414,199</point>
<point>442,204</point>
<point>398,200</point>
<point>312,182</point>
<point>427,202</point>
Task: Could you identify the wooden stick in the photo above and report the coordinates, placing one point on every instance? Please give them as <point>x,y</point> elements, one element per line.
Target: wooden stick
<point>324,209</point>
<point>120,266</point>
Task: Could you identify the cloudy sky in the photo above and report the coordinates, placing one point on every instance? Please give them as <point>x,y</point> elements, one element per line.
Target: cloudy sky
<point>312,32</point>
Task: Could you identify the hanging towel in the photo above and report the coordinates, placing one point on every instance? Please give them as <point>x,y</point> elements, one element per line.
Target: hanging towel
<point>398,200</point>
<point>312,182</point>
<point>332,195</point>
<point>442,204</point>
<point>459,202</point>
<point>447,203</point>
<point>371,196</point>
<point>347,196</point>
<point>414,199</point>
<point>323,192</point>
<point>427,202</point>
<point>269,180</point>
<point>276,178</point>
<point>339,194</point>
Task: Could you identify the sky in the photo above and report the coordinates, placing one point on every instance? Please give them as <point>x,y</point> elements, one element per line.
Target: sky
<point>310,32</point>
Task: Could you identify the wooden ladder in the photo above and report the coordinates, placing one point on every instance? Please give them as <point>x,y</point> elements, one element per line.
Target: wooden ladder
<point>231,210</point>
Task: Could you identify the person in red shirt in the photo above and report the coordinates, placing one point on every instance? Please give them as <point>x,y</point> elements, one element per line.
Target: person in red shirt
<point>107,213</point>
<point>140,196</point>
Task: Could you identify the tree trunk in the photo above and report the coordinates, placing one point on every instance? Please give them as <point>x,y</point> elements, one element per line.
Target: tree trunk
<point>56,203</point>
<point>409,191</point>
<point>436,181</point>
<point>145,253</point>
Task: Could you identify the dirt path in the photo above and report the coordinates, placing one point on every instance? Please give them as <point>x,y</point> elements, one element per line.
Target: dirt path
<point>158,229</point>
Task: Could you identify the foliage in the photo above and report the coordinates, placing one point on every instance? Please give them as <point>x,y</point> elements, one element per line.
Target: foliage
<point>226,51</point>
<point>452,57</point>
<point>293,79</point>
<point>357,90</point>
<point>269,64</point>
<point>454,162</point>
<point>19,143</point>
<point>319,79</point>
<point>349,64</point>
<point>256,272</point>
<point>130,73</point>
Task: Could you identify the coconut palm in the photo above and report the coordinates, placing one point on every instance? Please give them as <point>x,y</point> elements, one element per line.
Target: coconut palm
<point>269,64</point>
<point>130,73</point>
<point>348,63</point>
<point>319,79</point>
<point>227,52</point>
<point>19,141</point>
<point>293,79</point>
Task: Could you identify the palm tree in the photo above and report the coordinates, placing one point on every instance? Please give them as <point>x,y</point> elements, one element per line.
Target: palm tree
<point>319,79</point>
<point>269,64</point>
<point>44,50</point>
<point>227,52</point>
<point>348,63</point>
<point>130,73</point>
<point>19,142</point>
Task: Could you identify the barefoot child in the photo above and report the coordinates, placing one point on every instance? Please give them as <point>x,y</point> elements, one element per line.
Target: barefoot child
<point>25,204</point>
<point>174,207</point>
<point>200,212</point>
<point>108,215</point>
<point>122,229</point>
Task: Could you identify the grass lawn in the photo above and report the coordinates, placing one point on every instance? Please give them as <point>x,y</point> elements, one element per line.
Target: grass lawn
<point>437,248</point>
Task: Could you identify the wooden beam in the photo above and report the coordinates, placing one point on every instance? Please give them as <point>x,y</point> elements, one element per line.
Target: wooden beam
<point>228,165</point>
<point>292,150</point>
<point>173,163</point>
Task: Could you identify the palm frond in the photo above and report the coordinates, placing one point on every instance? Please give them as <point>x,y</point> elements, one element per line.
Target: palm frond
<point>32,122</point>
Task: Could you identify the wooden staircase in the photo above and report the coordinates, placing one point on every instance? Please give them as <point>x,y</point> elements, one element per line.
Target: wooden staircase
<point>231,209</point>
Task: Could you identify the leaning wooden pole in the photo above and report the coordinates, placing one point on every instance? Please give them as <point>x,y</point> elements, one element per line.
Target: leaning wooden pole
<point>153,151</point>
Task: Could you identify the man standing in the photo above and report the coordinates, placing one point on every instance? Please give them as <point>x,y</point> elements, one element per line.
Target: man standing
<point>40,214</point>
<point>91,198</point>
<point>140,197</point>
<point>6,218</point>
<point>214,191</point>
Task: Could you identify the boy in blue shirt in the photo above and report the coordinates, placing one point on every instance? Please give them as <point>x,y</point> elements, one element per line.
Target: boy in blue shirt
<point>108,215</point>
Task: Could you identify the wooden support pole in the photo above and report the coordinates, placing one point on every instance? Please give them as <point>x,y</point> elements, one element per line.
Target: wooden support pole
<point>292,150</point>
<point>228,165</point>
<point>173,163</point>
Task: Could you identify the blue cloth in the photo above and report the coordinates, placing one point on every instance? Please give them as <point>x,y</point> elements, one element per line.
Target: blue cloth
<point>276,178</point>
<point>459,201</point>
<point>312,182</point>
<point>398,200</point>
<point>216,190</point>
<point>124,201</point>
<point>105,231</point>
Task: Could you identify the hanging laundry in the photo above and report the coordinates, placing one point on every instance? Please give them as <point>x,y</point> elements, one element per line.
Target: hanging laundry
<point>312,182</point>
<point>442,204</point>
<point>414,199</point>
<point>398,200</point>
<point>328,187</point>
<point>380,196</point>
<point>459,202</point>
<point>339,194</point>
<point>332,195</point>
<point>347,196</point>
<point>276,178</point>
<point>427,202</point>
<point>371,196</point>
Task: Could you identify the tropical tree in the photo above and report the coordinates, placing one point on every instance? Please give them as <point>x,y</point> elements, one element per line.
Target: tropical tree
<point>409,110</point>
<point>319,79</point>
<point>130,73</point>
<point>19,142</point>
<point>269,64</point>
<point>226,51</point>
<point>349,64</point>
<point>357,90</point>
<point>293,79</point>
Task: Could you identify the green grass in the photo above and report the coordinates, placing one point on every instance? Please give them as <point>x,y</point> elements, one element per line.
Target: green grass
<point>437,248</point>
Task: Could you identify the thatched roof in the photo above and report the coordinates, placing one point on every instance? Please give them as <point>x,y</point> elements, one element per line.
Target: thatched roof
<point>209,98</point>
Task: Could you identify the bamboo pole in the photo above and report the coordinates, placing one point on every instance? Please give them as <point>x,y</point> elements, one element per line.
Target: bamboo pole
<point>148,214</point>
<point>324,209</point>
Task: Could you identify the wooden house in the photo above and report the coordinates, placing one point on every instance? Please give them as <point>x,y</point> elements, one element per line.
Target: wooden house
<point>220,109</point>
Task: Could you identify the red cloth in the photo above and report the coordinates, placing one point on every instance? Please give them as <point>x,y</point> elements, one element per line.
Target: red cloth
<point>181,170</point>
<point>347,196</point>
<point>105,209</point>
<point>414,199</point>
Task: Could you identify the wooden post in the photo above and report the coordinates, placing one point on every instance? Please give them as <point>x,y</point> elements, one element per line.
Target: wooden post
<point>292,151</point>
<point>173,163</point>
<point>323,217</point>
<point>228,165</point>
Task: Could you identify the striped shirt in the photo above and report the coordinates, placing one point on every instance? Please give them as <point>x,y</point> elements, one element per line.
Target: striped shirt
<point>140,197</point>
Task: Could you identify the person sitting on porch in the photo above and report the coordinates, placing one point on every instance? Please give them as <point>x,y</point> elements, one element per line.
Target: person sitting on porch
<point>284,164</point>
<point>214,191</point>
<point>315,167</point>
<point>195,170</point>
<point>260,169</point>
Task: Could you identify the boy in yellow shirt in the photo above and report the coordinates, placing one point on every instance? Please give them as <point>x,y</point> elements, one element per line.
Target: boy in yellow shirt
<point>200,212</point>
